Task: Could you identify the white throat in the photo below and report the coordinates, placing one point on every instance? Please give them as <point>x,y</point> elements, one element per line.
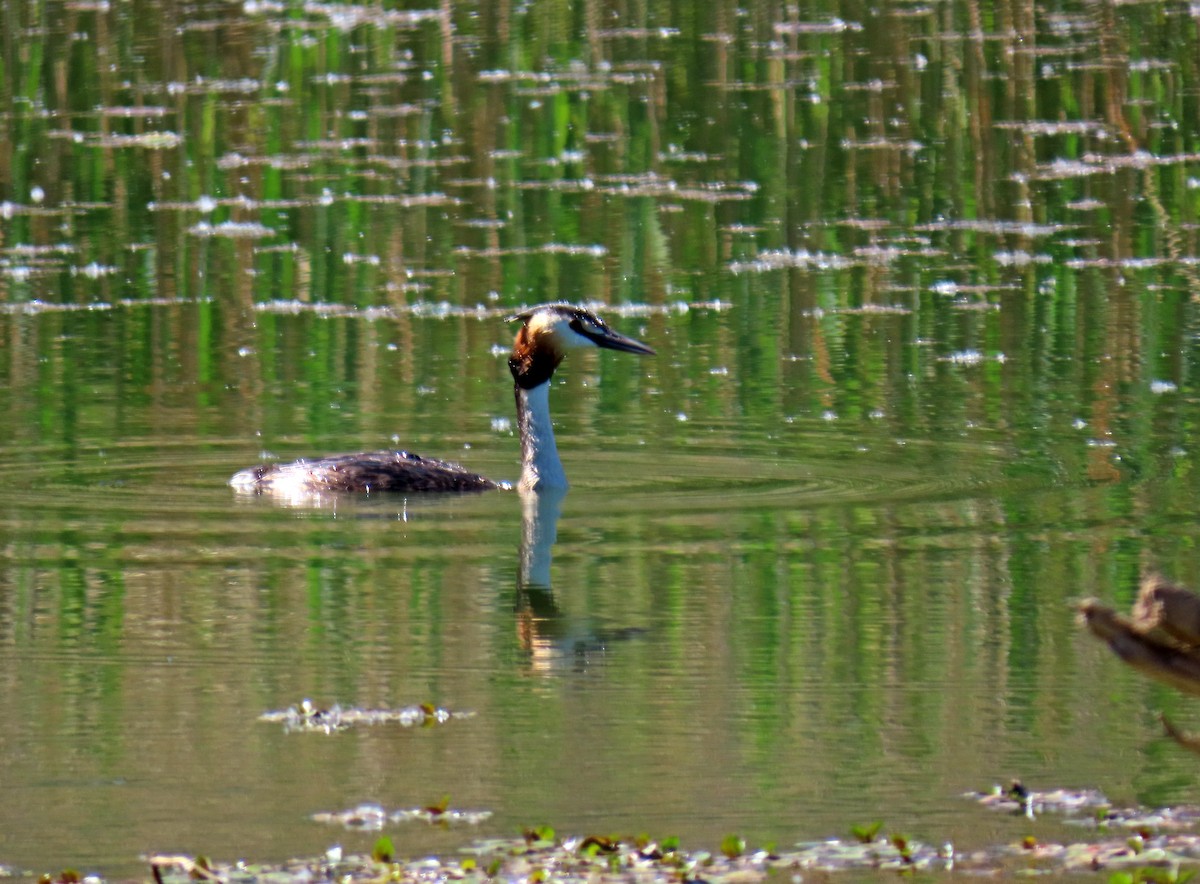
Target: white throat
<point>540,466</point>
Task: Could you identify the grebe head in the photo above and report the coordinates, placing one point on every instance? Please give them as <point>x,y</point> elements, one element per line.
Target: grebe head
<point>546,334</point>
<point>566,327</point>
<point>549,331</point>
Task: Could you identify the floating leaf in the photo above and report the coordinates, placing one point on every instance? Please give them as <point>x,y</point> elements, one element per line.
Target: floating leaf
<point>383,851</point>
<point>867,833</point>
<point>594,844</point>
<point>733,846</point>
<point>539,836</point>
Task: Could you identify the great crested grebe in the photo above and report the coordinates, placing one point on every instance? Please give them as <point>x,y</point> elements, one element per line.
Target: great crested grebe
<point>546,334</point>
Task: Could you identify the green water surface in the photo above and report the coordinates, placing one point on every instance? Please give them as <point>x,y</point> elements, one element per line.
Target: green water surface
<point>921,278</point>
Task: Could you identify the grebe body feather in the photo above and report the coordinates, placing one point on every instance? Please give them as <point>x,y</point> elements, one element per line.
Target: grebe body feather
<point>369,472</point>
<point>546,335</point>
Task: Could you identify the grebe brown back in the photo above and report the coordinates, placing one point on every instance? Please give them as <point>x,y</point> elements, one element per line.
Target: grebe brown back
<point>546,334</point>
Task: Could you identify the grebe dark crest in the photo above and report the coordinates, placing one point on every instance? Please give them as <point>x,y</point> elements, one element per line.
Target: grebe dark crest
<point>546,335</point>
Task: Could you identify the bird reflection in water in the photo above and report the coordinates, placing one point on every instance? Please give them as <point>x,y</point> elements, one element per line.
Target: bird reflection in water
<point>551,642</point>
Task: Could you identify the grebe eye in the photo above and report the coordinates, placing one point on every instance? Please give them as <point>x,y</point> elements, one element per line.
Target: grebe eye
<point>586,326</point>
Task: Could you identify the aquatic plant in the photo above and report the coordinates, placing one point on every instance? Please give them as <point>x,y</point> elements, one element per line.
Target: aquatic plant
<point>373,817</point>
<point>308,717</point>
<point>868,832</point>
<point>383,851</point>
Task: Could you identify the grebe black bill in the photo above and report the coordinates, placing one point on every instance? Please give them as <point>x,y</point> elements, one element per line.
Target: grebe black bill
<point>547,333</point>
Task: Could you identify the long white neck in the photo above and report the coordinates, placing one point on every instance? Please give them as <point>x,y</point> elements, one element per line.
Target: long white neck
<point>540,466</point>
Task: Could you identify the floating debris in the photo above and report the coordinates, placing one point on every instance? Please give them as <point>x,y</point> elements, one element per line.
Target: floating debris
<point>146,140</point>
<point>206,204</point>
<point>861,310</point>
<point>573,78</point>
<point>1019,258</point>
<point>1013,228</point>
<point>1017,799</point>
<point>348,16</point>
<point>280,162</point>
<point>541,856</point>
<point>882,144</point>
<point>784,259</point>
<point>675,154</point>
<point>970,357</point>
<point>35,307</point>
<point>833,26</point>
<point>1104,164</point>
<point>636,33</point>
<point>561,185</point>
<point>653,185</point>
<point>1055,127</point>
<point>373,817</point>
<point>308,717</point>
<point>232,230</point>
<point>136,112</point>
<point>1131,263</point>
<point>327,309</point>
<point>26,250</point>
<point>94,270</point>
<point>405,201</point>
<point>1086,807</point>
<point>550,248</point>
<point>203,86</point>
